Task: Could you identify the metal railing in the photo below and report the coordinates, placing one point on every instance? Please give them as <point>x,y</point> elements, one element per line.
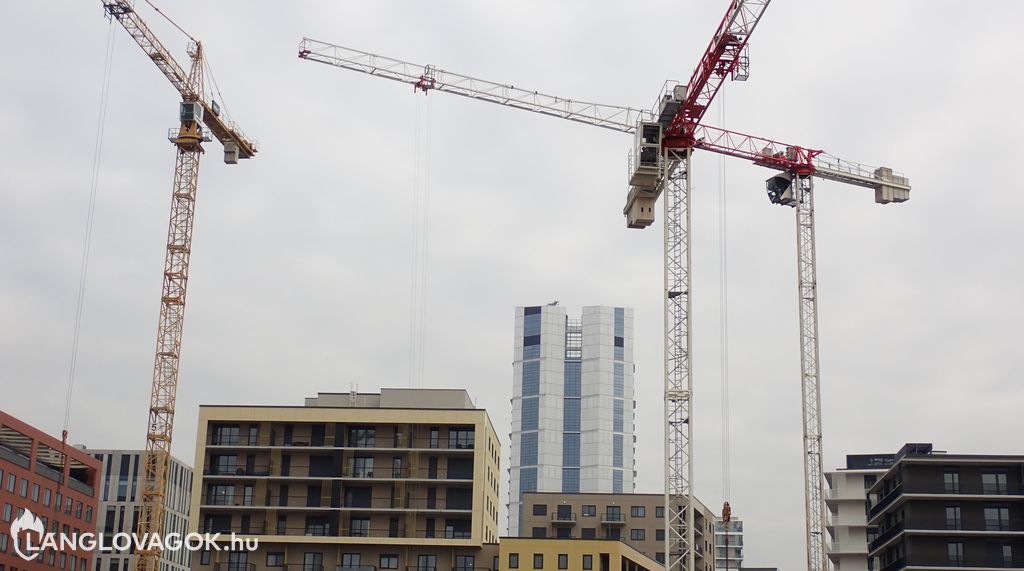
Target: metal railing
<point>563,517</point>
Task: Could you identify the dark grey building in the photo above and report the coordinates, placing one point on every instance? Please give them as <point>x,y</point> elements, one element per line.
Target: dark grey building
<point>948,511</point>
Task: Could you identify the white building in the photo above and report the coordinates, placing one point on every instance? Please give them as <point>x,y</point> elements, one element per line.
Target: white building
<point>572,403</point>
<point>729,544</point>
<point>846,497</point>
<point>120,496</point>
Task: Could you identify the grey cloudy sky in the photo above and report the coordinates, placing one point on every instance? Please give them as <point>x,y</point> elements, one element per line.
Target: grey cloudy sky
<point>301,264</point>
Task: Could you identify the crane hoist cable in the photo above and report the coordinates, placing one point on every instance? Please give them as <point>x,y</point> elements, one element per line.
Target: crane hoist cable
<point>723,316</point>
<point>420,244</point>
<point>90,218</point>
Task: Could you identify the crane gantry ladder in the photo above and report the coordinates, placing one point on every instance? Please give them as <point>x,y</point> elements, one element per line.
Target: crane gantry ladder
<point>664,140</point>
<point>188,137</point>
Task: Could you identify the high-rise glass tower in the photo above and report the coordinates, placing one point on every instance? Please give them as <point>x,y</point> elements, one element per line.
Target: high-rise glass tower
<point>572,403</point>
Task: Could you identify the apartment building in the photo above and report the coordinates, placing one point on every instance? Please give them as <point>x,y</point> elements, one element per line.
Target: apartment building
<point>120,497</point>
<point>572,403</point>
<point>54,481</point>
<point>401,479</point>
<point>847,497</point>
<point>636,519</point>
<point>948,511</point>
<point>575,554</point>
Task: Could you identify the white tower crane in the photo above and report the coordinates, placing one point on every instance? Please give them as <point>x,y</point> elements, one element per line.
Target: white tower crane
<point>665,138</point>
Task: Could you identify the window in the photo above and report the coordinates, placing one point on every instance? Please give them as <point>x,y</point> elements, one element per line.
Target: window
<point>461,437</point>
<point>388,561</point>
<point>659,557</point>
<point>35,492</point>
<point>540,509</point>
<point>613,513</point>
<point>359,527</point>
<point>3,543</point>
<point>951,482</point>
<point>1007,552</point>
<point>254,435</point>
<point>435,437</point>
<point>530,413</point>
<point>869,480</point>
<point>318,526</point>
<point>637,534</point>
<point>350,560</point>
<point>426,563</point>
<point>362,437</point>
<point>224,464</point>
<point>997,519</point>
<point>588,533</point>
<point>563,560</point>
<point>78,510</point>
<point>362,467</point>
<point>638,511</point>
<point>221,495</point>
<point>659,534</point>
<point>465,562</point>
<point>614,533</point>
<point>659,512</point>
<point>12,481</point>
<point>88,514</point>
<point>588,562</point>
<point>953,520</point>
<point>46,497</point>
<point>23,490</point>
<point>513,561</point>
<point>539,532</point>
<point>589,511</point>
<point>274,559</point>
<point>313,561</point>
<point>991,483</point>
<point>955,553</point>
<point>7,512</point>
<point>204,557</point>
<point>67,505</point>
<point>538,560</point>
<point>224,434</point>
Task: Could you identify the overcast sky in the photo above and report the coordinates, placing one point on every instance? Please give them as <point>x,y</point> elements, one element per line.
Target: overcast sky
<point>301,261</point>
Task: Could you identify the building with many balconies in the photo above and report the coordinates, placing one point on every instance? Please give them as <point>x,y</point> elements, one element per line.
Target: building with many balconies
<point>401,479</point>
<point>847,497</point>
<point>936,511</point>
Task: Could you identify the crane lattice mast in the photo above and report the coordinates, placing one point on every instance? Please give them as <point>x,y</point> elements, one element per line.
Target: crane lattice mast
<point>188,140</point>
<point>665,137</point>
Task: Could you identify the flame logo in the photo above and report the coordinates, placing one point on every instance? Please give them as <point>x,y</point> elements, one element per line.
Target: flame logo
<point>28,522</point>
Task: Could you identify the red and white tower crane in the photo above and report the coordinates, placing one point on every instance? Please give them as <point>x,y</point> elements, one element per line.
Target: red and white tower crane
<point>196,111</point>
<point>664,140</point>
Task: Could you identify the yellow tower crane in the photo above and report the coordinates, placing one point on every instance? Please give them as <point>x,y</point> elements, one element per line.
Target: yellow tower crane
<point>195,112</point>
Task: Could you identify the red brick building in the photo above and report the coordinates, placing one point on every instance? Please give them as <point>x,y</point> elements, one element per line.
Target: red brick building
<point>56,484</point>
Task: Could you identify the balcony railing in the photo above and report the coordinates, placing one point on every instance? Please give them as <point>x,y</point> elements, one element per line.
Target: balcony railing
<point>563,518</point>
<point>911,525</point>
<point>963,489</point>
<point>235,567</point>
<point>300,501</point>
<point>895,565</point>
<point>326,530</point>
<point>613,518</point>
<point>382,442</point>
<point>885,501</point>
<point>383,472</point>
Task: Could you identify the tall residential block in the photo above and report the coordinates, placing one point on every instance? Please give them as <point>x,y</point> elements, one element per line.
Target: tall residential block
<point>401,479</point>
<point>120,498</point>
<point>635,519</point>
<point>846,499</point>
<point>941,511</point>
<point>54,481</point>
<point>572,403</point>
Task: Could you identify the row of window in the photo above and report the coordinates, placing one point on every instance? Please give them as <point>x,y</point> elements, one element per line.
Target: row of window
<point>314,561</point>
<point>635,534</point>
<point>991,482</point>
<point>996,518</point>
<point>590,510</point>
<point>359,437</point>
<point>586,562</point>
<point>50,557</point>
<point>42,495</point>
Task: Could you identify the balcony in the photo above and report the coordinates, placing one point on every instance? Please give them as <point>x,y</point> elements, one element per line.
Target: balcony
<point>895,565</point>
<point>941,527</point>
<point>849,548</point>
<point>563,519</point>
<point>301,502</point>
<point>975,490</point>
<point>327,531</point>
<point>305,472</point>
<point>613,518</point>
<point>885,501</point>
<point>234,567</point>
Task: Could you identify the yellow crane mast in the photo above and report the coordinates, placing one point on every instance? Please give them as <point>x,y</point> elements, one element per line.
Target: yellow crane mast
<point>195,112</point>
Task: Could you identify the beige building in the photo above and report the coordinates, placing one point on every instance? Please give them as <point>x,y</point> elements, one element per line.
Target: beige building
<point>403,479</point>
<point>529,553</point>
<point>636,519</point>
